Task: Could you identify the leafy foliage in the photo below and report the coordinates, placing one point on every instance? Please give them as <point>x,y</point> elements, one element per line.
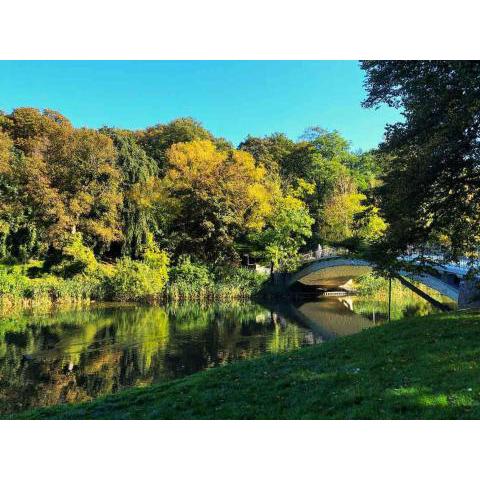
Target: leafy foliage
<point>76,258</point>
<point>221,194</point>
<point>111,207</point>
<point>137,170</point>
<point>287,227</point>
<point>158,139</point>
<point>191,280</point>
<point>133,280</point>
<point>429,192</point>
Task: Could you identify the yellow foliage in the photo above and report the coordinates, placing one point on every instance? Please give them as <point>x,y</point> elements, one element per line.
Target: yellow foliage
<point>149,192</point>
<point>225,177</point>
<point>338,214</point>
<point>373,226</point>
<point>5,148</point>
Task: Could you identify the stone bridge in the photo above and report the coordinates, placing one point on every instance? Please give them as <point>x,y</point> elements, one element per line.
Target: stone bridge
<point>336,272</point>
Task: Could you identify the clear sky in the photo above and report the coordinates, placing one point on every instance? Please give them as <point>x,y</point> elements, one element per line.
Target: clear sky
<point>231,98</point>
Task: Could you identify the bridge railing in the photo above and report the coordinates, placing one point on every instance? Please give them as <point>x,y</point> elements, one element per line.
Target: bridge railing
<point>436,256</point>
<point>463,263</point>
<point>322,252</point>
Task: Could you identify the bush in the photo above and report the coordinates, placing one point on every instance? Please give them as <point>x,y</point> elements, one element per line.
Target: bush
<point>127,280</point>
<point>190,280</point>
<point>79,277</point>
<point>134,280</point>
<point>247,281</point>
<point>76,258</point>
<point>16,289</point>
<point>13,284</point>
<point>187,272</point>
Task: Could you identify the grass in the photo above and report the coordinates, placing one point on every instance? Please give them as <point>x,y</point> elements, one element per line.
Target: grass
<point>419,368</point>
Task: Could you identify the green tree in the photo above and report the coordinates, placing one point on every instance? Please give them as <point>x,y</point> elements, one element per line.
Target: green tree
<point>430,183</point>
<point>158,139</point>
<point>288,225</point>
<point>220,195</point>
<point>137,169</point>
<point>269,151</point>
<point>66,179</point>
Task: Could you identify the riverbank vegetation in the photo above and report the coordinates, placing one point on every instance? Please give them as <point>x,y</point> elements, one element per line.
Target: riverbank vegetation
<point>418,368</point>
<point>169,211</point>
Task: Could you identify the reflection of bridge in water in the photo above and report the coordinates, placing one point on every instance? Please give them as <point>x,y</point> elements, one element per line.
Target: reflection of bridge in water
<point>328,318</point>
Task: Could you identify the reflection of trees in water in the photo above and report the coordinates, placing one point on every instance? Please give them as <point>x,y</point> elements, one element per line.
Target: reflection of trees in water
<point>285,337</point>
<point>223,333</point>
<point>77,355</point>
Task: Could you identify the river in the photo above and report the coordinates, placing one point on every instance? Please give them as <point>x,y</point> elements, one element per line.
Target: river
<point>77,355</point>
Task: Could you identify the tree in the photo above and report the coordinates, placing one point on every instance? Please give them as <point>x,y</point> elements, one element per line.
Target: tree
<point>220,196</point>
<point>339,213</point>
<point>158,139</point>
<point>66,179</point>
<point>287,227</point>
<point>320,159</point>
<point>268,151</point>
<point>29,206</point>
<point>323,159</point>
<point>430,188</point>
<point>138,170</point>
<point>6,146</point>
<point>10,209</point>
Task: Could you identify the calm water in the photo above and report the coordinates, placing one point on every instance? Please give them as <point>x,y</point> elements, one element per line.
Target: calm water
<point>77,355</point>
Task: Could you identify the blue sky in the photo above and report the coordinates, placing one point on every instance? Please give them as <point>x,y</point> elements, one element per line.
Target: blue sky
<point>231,98</point>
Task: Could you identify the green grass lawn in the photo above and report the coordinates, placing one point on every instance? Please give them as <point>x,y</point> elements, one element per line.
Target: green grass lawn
<point>425,367</point>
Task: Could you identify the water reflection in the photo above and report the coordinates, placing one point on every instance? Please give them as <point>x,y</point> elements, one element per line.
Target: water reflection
<point>77,355</point>
<point>328,318</point>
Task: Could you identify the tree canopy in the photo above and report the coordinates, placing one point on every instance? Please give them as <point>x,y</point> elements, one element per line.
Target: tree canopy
<point>178,187</point>
<point>429,193</point>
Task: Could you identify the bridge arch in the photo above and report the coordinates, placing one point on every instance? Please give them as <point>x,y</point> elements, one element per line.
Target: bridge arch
<point>336,272</point>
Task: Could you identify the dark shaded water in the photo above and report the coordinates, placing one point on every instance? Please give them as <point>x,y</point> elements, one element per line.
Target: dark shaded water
<point>77,355</point>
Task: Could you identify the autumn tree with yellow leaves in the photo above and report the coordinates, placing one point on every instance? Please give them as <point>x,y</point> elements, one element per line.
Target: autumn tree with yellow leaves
<point>219,194</point>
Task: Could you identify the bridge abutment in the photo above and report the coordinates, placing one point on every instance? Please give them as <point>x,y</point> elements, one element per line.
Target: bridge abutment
<point>469,294</point>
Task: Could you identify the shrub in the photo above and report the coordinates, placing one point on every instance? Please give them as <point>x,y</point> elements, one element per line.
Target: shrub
<point>190,280</point>
<point>195,274</point>
<point>134,280</point>
<point>155,258</point>
<point>13,284</point>
<point>76,258</point>
<point>239,281</point>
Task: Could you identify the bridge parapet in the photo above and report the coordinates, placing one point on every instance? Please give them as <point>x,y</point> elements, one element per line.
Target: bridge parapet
<point>323,252</point>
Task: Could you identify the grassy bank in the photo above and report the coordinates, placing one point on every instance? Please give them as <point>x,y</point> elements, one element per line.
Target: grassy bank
<point>417,368</point>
